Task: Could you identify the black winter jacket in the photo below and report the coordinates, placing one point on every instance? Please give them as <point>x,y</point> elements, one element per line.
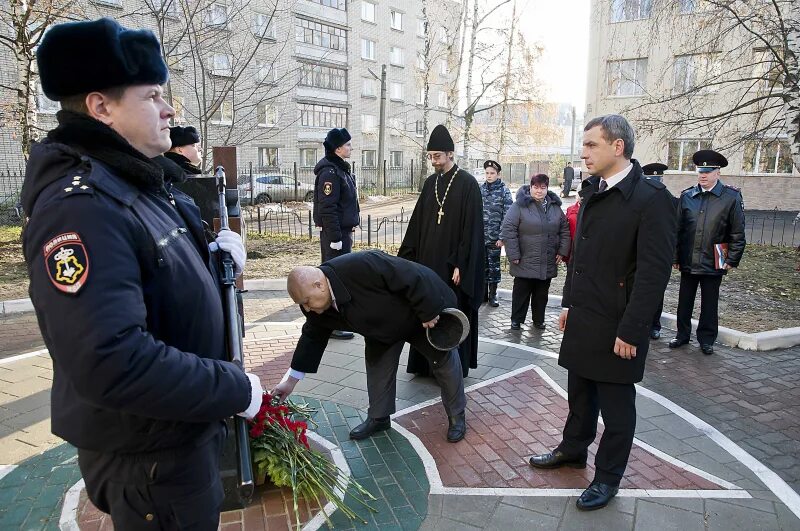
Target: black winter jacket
<point>706,218</point>
<point>336,207</point>
<point>114,265</point>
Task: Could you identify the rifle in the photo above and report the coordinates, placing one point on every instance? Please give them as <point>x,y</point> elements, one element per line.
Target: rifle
<point>233,335</point>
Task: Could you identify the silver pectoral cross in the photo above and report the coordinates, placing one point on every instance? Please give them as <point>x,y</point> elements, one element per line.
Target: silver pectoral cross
<point>440,214</point>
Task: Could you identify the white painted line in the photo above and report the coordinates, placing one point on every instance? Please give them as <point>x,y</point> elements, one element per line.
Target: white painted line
<point>431,470</point>
<point>545,353</point>
<point>275,323</point>
<point>20,357</point>
<point>257,339</point>
<point>627,493</point>
<point>69,510</point>
<point>6,470</point>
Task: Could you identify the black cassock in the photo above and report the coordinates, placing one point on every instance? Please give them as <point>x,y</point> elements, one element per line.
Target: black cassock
<point>455,242</point>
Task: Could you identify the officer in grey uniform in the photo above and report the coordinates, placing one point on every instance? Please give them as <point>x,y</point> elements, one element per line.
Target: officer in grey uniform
<point>496,202</point>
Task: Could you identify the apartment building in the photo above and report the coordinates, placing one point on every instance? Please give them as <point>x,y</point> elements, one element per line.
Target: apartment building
<point>272,77</point>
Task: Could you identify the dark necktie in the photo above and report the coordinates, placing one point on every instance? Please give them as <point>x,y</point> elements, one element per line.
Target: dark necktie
<point>603,185</point>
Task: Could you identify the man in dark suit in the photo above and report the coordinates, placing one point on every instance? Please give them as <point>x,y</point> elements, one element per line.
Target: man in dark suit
<point>390,301</point>
<point>619,268</point>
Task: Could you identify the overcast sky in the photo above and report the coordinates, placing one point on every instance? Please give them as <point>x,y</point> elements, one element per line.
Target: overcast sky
<point>562,27</point>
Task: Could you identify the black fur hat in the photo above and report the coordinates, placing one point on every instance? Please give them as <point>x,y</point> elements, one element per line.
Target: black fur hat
<point>336,137</point>
<point>441,140</point>
<point>81,57</point>
<point>183,136</point>
<point>492,164</point>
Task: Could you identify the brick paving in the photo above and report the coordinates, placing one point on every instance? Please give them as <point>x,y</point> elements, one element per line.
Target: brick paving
<point>19,333</point>
<point>511,419</point>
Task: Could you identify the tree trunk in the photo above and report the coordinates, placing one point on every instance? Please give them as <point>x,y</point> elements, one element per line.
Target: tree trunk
<point>792,82</point>
<point>507,82</point>
<point>470,109</point>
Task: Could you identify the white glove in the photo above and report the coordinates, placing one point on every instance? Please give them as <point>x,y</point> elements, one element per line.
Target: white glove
<point>256,396</point>
<point>336,246</point>
<point>227,240</point>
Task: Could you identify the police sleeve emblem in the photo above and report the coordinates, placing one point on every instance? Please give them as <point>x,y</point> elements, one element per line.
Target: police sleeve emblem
<point>327,188</point>
<point>67,262</point>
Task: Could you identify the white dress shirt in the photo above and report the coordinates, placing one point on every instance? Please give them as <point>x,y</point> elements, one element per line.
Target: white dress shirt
<point>615,179</point>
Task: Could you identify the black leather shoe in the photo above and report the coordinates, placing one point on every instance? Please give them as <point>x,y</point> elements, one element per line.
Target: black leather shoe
<point>540,326</point>
<point>341,334</point>
<point>655,334</point>
<point>370,426</point>
<point>707,349</point>
<point>596,496</point>
<point>457,429</point>
<point>675,343</point>
<point>515,326</point>
<point>556,459</point>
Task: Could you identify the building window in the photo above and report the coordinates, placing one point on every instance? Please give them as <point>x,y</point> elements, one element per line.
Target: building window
<point>336,4</point>
<point>627,78</point>
<point>442,99</point>
<point>175,62</point>
<point>369,158</point>
<point>266,72</point>
<point>368,11</point>
<point>767,70</point>
<point>369,123</point>
<point>692,70</point>
<point>396,56</point>
<point>224,114</point>
<point>217,14</point>
<point>326,77</point>
<point>44,104</point>
<point>622,10</point>
<point>420,27</point>
<point>421,96</point>
<point>687,6</point>
<point>419,128</point>
<point>312,115</point>
<point>323,35</point>
<point>442,32</point>
<point>421,62</point>
<point>221,65</point>
<point>396,126</point>
<point>396,20</point>
<point>773,156</point>
<point>367,49</point>
<point>167,8</point>
<point>178,103</point>
<point>679,153</point>
<point>308,157</point>
<point>395,159</point>
<point>369,87</point>
<point>396,91</point>
<point>262,27</point>
<point>268,157</point>
<point>443,69</point>
<point>267,116</point>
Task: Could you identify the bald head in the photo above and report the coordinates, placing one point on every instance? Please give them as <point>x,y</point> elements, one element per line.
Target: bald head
<point>308,287</point>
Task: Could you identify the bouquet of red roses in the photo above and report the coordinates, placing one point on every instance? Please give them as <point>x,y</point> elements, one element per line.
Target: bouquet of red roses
<point>281,451</point>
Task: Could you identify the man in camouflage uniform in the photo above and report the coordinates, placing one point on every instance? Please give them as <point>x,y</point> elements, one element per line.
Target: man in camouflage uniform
<point>496,202</point>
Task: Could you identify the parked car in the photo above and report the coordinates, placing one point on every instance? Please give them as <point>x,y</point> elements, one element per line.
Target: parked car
<point>576,181</point>
<point>275,188</point>
<point>479,174</point>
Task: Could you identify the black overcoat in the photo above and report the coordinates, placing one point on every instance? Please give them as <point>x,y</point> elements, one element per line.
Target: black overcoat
<point>384,298</point>
<point>620,266</point>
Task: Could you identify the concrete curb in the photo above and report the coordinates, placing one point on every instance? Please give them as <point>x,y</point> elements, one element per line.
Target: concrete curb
<point>760,341</point>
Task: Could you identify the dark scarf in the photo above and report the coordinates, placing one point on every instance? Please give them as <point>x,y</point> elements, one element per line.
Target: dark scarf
<point>185,164</point>
<point>339,161</point>
<point>97,140</point>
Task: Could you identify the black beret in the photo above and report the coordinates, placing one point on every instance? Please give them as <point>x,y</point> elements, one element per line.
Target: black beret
<point>492,164</point>
<point>708,158</point>
<point>336,137</point>
<point>81,57</point>
<point>441,140</point>
<point>654,168</point>
<point>183,136</point>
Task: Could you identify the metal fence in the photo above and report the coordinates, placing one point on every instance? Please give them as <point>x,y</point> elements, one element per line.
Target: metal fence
<point>291,182</point>
<point>10,189</point>
<point>762,227</point>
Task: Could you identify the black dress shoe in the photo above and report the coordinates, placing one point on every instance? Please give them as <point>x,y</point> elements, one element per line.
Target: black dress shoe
<point>370,426</point>
<point>341,334</point>
<point>655,334</point>
<point>457,429</point>
<point>556,459</point>
<point>707,349</point>
<point>675,343</point>
<point>540,326</point>
<point>515,326</point>
<point>596,496</point>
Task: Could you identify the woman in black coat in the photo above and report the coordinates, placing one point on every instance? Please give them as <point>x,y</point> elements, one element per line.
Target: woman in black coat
<point>536,236</point>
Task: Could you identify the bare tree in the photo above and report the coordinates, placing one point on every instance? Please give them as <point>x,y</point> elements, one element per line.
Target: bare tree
<point>22,26</point>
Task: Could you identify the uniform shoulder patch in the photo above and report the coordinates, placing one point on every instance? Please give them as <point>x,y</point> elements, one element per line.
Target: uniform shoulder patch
<point>76,185</point>
<point>327,188</point>
<point>734,188</point>
<point>67,262</point>
<point>689,189</point>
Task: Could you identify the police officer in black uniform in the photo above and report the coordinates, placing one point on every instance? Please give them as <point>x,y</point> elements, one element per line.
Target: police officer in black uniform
<point>655,171</point>
<point>185,150</point>
<point>115,257</point>
<point>336,209</point>
<point>711,241</point>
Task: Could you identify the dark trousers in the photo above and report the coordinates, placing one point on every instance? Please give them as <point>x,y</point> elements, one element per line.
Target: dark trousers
<point>656,326</point>
<point>382,361</point>
<point>708,327</point>
<point>176,490</point>
<point>617,402</point>
<point>529,291</point>
<point>325,245</point>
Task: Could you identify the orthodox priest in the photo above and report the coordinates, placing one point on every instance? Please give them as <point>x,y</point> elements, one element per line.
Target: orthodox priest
<point>445,233</point>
